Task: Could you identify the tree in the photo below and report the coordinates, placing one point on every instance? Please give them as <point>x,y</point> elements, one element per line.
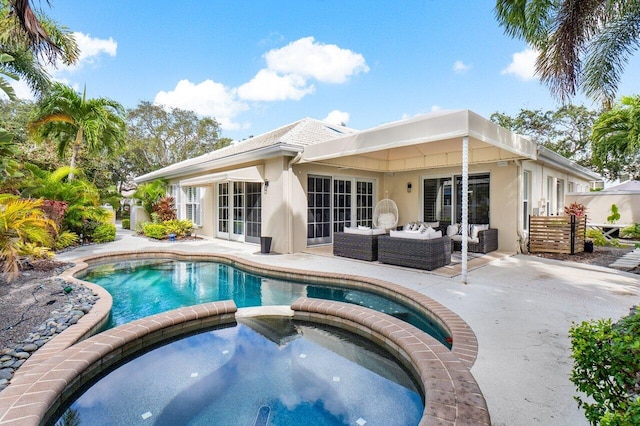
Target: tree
<point>566,130</point>
<point>616,140</point>
<point>582,45</point>
<point>68,118</point>
<point>32,39</point>
<point>158,137</point>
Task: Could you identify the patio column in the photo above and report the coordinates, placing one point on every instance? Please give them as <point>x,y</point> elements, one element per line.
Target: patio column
<point>465,205</point>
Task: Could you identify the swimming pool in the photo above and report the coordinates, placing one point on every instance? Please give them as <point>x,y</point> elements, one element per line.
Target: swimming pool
<point>144,287</point>
<point>274,371</point>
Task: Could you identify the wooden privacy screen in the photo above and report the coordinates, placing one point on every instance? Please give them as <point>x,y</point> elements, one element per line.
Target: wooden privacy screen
<point>557,234</point>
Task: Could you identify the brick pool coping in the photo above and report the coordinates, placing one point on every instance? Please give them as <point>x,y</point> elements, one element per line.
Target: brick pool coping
<point>39,382</point>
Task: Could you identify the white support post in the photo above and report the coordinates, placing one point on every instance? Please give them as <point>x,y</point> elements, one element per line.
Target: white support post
<point>465,206</point>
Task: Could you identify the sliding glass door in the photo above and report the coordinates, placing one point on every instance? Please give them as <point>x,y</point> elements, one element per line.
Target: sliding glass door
<point>239,211</point>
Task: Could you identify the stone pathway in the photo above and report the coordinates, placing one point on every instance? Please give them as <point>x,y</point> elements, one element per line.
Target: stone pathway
<point>628,261</point>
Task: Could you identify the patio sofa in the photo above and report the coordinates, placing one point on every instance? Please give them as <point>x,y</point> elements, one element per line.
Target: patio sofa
<point>357,243</point>
<point>414,252</point>
<point>481,239</point>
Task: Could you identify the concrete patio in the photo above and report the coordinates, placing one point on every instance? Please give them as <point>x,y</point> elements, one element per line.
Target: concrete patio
<point>520,308</point>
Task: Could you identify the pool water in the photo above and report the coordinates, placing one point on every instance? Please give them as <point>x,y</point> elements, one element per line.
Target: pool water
<point>262,371</point>
<point>145,287</point>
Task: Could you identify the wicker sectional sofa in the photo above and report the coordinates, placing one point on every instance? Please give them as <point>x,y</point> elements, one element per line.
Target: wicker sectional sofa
<point>487,241</point>
<point>426,254</point>
<point>355,246</point>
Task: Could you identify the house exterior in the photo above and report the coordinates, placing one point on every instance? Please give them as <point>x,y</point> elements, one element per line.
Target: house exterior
<point>303,181</point>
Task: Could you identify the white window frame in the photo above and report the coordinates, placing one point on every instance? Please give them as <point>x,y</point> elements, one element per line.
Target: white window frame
<point>192,196</point>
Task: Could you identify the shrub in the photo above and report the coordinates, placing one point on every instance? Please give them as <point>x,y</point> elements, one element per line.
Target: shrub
<point>66,239</point>
<point>606,369</point>
<point>631,231</point>
<point>181,228</point>
<point>34,251</point>
<point>140,227</point>
<point>599,239</point>
<point>155,230</point>
<point>615,214</point>
<point>104,233</point>
<point>164,207</point>
<point>126,223</point>
<point>575,209</point>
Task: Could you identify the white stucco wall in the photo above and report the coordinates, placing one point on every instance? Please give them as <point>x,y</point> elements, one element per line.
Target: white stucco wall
<point>598,206</point>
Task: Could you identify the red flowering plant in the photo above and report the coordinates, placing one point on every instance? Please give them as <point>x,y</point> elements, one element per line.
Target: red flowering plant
<point>575,209</point>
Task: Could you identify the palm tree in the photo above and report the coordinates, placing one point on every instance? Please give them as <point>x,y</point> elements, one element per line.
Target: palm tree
<point>21,221</point>
<point>28,37</point>
<point>616,140</point>
<point>66,117</point>
<point>582,44</point>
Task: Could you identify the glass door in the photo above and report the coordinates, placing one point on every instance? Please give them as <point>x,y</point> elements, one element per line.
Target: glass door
<point>222,229</point>
<point>237,208</point>
<point>254,211</point>
<point>318,210</point>
<point>341,204</point>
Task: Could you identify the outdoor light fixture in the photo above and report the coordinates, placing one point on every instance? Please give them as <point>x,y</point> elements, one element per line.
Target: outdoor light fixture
<point>266,185</point>
<point>409,186</point>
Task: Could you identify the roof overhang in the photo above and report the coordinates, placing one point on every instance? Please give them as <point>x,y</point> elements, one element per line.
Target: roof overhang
<point>553,158</point>
<point>428,141</point>
<point>246,174</point>
<point>192,166</point>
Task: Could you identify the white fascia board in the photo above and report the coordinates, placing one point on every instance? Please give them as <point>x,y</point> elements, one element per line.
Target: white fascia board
<point>208,165</point>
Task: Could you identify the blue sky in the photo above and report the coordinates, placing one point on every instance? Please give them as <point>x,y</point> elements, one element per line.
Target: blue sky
<point>258,65</point>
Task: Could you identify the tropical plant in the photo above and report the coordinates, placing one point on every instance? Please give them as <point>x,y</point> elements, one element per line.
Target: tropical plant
<point>631,231</point>
<point>34,251</point>
<point>164,208</point>
<point>599,239</point>
<point>4,84</point>
<point>21,221</point>
<point>148,193</point>
<point>616,140</point>
<point>8,151</point>
<point>66,239</point>
<point>66,117</point>
<point>575,209</point>
<point>180,228</point>
<point>606,369</point>
<point>615,214</point>
<point>82,197</point>
<point>29,37</point>
<point>582,45</point>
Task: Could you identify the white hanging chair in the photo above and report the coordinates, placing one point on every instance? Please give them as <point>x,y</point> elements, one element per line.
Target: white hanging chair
<point>385,215</point>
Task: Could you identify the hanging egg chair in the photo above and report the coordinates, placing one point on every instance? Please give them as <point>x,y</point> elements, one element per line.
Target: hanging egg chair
<point>385,215</point>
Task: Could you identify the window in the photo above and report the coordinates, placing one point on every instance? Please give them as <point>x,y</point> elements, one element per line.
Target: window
<point>526,194</point>
<point>478,199</point>
<point>559,196</point>
<point>348,204</point>
<point>192,204</point>
<point>550,187</point>
<point>437,200</point>
<point>174,191</point>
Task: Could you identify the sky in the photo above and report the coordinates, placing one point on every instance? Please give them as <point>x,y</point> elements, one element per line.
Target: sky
<point>258,65</point>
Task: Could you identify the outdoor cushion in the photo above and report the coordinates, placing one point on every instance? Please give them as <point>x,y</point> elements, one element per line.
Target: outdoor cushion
<point>477,228</point>
<point>458,237</point>
<point>452,229</point>
<point>386,220</point>
<point>364,231</point>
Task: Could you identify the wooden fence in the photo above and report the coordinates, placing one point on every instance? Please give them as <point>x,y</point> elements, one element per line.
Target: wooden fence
<point>557,234</point>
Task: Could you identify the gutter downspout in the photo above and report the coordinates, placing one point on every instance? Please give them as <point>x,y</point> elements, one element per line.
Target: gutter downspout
<point>289,196</point>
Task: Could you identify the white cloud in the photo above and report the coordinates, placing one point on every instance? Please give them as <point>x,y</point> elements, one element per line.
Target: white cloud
<point>337,117</point>
<point>327,63</point>
<point>207,98</point>
<point>22,89</point>
<point>523,65</point>
<point>436,108</point>
<point>460,67</point>
<point>267,85</point>
<point>91,50</point>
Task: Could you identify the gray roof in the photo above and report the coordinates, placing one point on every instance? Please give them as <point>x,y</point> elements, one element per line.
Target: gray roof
<point>290,139</point>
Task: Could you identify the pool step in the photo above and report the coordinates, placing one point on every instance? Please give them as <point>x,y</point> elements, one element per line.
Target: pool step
<point>263,416</point>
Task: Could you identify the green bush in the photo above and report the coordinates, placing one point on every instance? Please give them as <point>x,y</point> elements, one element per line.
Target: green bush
<point>126,223</point>
<point>104,233</point>
<point>140,227</point>
<point>155,230</point>
<point>631,231</point>
<point>606,369</point>
<point>66,239</point>
<point>599,239</point>
<point>181,228</point>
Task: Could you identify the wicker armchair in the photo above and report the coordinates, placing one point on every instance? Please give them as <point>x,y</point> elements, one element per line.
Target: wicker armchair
<point>415,253</point>
<point>355,246</point>
<point>488,241</point>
